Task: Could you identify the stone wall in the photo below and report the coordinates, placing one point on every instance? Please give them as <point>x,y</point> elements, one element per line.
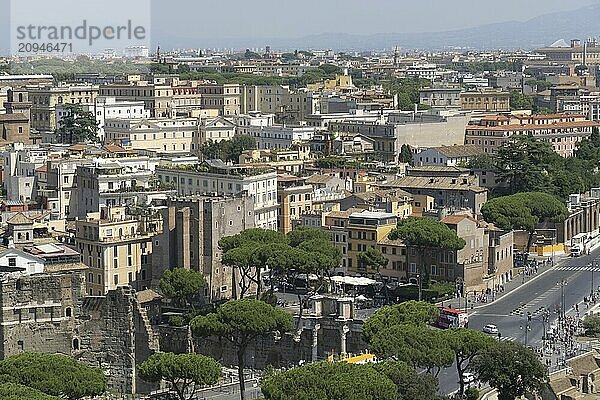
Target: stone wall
<point>39,312</point>
<point>116,336</point>
<point>290,349</point>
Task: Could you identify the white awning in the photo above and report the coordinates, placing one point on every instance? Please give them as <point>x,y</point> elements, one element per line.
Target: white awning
<point>354,281</point>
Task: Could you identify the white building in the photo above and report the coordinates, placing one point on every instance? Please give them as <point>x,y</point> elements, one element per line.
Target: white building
<point>214,130</point>
<point>215,177</point>
<point>20,261</point>
<point>447,156</point>
<point>279,136</point>
<point>423,71</point>
<point>20,163</point>
<point>108,108</point>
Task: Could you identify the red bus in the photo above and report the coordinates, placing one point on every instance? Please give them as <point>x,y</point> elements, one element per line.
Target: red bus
<point>451,318</point>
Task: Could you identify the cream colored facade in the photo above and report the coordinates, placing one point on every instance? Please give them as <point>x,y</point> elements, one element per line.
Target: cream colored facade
<point>214,130</point>
<point>116,250</point>
<point>44,100</point>
<point>487,101</point>
<point>162,135</point>
<point>293,202</point>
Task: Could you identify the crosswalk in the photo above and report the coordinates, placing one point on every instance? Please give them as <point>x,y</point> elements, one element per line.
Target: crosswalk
<point>535,307</point>
<point>588,268</point>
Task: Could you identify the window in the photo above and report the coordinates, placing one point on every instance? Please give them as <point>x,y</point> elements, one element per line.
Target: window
<point>68,312</point>
<point>116,279</point>
<point>12,261</point>
<point>412,268</point>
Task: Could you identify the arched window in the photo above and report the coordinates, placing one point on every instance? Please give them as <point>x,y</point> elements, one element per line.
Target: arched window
<point>68,312</point>
<point>75,344</point>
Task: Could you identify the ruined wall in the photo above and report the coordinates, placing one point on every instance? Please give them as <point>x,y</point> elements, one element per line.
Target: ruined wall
<point>38,312</point>
<point>116,336</point>
<point>287,350</point>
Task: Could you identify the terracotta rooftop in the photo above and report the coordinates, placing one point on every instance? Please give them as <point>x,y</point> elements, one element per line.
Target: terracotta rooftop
<point>19,219</point>
<point>456,219</point>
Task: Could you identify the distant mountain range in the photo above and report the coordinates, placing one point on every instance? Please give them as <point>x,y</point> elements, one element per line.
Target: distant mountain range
<point>537,32</point>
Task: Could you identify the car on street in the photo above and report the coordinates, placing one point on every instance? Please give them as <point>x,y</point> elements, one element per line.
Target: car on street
<point>491,329</point>
<point>468,377</point>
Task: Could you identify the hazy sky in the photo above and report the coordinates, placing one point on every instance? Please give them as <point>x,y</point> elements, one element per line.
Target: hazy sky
<point>283,18</point>
<point>290,19</point>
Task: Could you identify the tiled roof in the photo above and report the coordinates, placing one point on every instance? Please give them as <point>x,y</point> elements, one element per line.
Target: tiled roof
<point>316,179</point>
<point>13,117</point>
<point>19,219</point>
<point>465,150</point>
<point>456,219</point>
<point>443,183</point>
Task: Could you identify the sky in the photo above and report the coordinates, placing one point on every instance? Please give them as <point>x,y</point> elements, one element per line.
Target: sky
<point>292,19</point>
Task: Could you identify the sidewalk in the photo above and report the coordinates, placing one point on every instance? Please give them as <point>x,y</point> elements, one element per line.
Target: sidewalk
<point>479,300</point>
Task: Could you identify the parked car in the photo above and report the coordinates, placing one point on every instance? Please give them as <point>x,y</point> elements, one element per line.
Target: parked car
<point>491,329</point>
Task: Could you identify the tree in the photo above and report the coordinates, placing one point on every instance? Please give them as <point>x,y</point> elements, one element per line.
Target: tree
<point>406,155</point>
<point>329,381</point>
<point>418,346</point>
<point>304,234</point>
<point>466,345</point>
<point>512,369</point>
<point>409,312</point>
<point>425,234</point>
<point>228,150</point>
<point>77,125</point>
<point>591,326</point>
<point>373,259</point>
<point>241,322</point>
<point>242,252</point>
<point>523,211</point>
<point>14,391</point>
<point>54,374</point>
<point>183,372</point>
<point>520,101</point>
<point>182,285</point>
<point>526,164</point>
<point>411,385</point>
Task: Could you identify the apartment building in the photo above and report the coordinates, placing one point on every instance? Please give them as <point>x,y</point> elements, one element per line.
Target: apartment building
<point>394,201</point>
<point>213,176</point>
<point>116,247</point>
<point>15,126</point>
<point>20,162</point>
<point>224,98</point>
<point>109,183</point>
<point>156,97</point>
<point>485,101</point>
<point>160,135</point>
<point>45,99</point>
<point>191,230</point>
<point>60,195</point>
<point>366,229</point>
<point>440,97</point>
<point>448,156</point>
<point>562,131</point>
<point>280,136</point>
<point>287,104</point>
<point>294,198</point>
<point>108,108</point>
<point>215,130</point>
<point>447,191</point>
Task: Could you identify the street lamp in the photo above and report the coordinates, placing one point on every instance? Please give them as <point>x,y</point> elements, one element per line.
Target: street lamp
<point>562,315</point>
<point>593,265</point>
<point>527,327</point>
<point>419,284</point>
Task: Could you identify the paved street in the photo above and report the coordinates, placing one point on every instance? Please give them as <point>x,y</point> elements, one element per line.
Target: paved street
<point>542,291</point>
